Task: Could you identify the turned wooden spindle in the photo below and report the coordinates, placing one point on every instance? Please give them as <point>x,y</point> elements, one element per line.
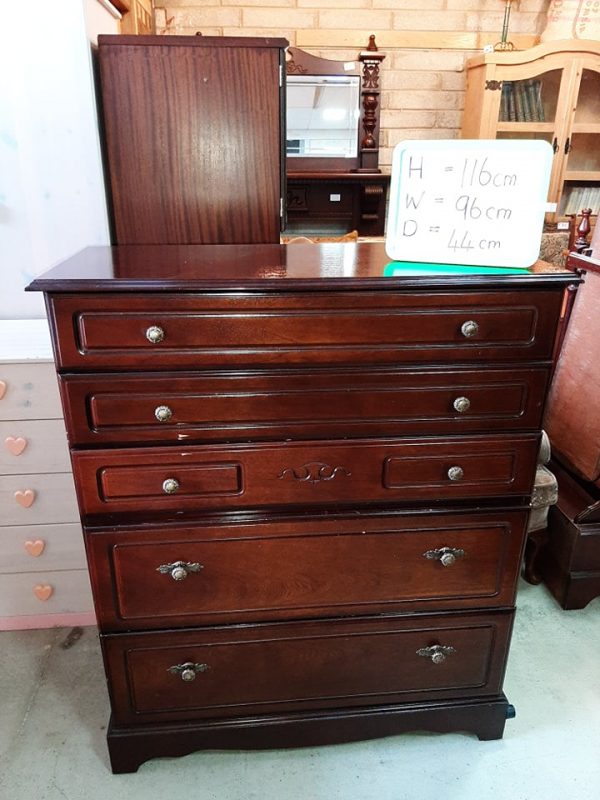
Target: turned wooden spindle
<point>583,229</point>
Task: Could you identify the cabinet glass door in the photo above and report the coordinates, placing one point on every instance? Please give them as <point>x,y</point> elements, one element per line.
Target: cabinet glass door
<point>581,177</point>
<point>532,100</point>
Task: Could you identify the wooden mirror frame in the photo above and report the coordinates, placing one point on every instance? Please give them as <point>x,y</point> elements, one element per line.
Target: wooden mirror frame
<point>299,62</point>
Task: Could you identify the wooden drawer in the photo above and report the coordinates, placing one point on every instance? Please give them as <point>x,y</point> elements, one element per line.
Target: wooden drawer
<point>96,331</point>
<point>29,391</point>
<point>38,499</point>
<point>296,568</point>
<point>52,592</point>
<point>292,474</point>
<point>31,548</point>
<point>33,446</point>
<point>284,405</point>
<point>251,669</point>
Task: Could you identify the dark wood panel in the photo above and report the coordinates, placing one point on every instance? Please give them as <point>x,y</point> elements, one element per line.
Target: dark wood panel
<point>193,139</point>
<point>333,327</point>
<point>294,666</point>
<point>284,405</point>
<point>293,474</point>
<point>287,569</point>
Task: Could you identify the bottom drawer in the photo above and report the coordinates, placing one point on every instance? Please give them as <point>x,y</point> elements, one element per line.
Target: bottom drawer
<point>253,669</point>
<point>54,592</point>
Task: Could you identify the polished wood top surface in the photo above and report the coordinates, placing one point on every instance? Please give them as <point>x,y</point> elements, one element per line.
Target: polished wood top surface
<point>271,268</point>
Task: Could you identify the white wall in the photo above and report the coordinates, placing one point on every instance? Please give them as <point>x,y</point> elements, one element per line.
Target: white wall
<point>52,197</point>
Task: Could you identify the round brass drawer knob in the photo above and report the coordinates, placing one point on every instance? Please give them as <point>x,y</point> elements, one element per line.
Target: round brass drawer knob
<point>170,486</point>
<point>461,404</point>
<point>469,328</point>
<point>456,473</point>
<point>163,413</point>
<point>188,671</point>
<point>188,675</point>
<point>437,653</point>
<point>155,334</point>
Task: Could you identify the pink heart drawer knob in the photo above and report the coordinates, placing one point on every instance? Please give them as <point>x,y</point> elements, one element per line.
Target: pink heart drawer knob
<point>43,591</point>
<point>15,444</point>
<point>3,386</point>
<point>25,498</point>
<point>35,548</point>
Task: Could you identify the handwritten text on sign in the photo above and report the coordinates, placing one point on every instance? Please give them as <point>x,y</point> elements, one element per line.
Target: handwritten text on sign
<point>468,202</point>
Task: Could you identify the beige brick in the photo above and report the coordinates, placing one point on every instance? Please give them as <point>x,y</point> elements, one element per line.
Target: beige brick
<point>180,30</point>
<point>207,15</point>
<point>160,18</point>
<point>333,4</point>
<point>395,5</point>
<point>429,21</point>
<point>448,119</point>
<point>429,60</point>
<point>260,3</point>
<point>393,118</point>
<point>396,136</point>
<point>424,100</point>
<point>368,21</point>
<point>273,18</point>
<point>403,79</point>
<point>453,81</point>
<point>269,33</point>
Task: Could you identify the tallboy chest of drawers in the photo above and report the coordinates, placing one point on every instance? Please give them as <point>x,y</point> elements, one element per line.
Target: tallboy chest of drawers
<point>304,487</point>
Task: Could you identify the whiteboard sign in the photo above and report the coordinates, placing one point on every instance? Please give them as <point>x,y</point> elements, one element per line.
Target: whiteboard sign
<point>475,202</point>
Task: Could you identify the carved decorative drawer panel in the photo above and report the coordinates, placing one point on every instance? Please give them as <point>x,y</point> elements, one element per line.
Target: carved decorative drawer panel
<point>304,487</point>
<point>246,476</point>
<point>298,665</point>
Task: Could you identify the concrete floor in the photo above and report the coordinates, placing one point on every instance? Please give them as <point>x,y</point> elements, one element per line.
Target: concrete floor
<point>53,708</point>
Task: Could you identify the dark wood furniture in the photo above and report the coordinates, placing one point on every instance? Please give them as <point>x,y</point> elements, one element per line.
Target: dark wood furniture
<point>328,193</point>
<point>194,138</point>
<point>304,487</point>
<point>569,563</point>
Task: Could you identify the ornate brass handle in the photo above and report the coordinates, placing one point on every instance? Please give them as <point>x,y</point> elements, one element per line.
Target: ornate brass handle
<point>469,328</point>
<point>437,652</point>
<point>188,671</point>
<point>155,334</point>
<point>461,404</point>
<point>163,413</point>
<point>179,570</point>
<point>447,556</point>
<point>170,485</point>
<point>456,473</point>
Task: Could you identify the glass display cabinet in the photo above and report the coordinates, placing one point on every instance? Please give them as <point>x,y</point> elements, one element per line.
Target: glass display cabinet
<point>551,92</point>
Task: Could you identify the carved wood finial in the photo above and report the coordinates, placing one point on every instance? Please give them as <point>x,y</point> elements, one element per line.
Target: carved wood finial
<point>372,46</point>
<point>584,227</point>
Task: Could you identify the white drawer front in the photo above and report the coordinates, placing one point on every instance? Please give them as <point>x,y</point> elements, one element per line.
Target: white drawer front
<point>45,593</point>
<point>37,499</point>
<point>34,548</point>
<point>29,391</point>
<point>28,446</point>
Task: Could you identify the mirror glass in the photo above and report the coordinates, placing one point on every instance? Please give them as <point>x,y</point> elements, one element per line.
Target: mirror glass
<point>322,116</point>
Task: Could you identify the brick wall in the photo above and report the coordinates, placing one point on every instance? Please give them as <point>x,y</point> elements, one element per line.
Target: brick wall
<point>426,43</point>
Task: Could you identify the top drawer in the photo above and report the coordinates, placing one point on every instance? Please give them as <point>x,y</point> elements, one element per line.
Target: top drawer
<point>150,331</point>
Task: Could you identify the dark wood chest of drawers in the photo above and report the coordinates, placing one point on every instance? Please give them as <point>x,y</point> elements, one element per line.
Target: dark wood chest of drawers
<point>304,487</point>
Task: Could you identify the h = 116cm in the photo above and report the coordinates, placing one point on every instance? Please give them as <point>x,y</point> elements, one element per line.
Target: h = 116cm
<point>476,173</point>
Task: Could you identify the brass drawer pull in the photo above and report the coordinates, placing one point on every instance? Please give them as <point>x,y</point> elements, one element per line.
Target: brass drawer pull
<point>456,473</point>
<point>461,404</point>
<point>170,486</point>
<point>179,570</point>
<point>437,653</point>
<point>447,556</point>
<point>155,334</point>
<point>188,671</point>
<point>163,413</point>
<point>469,328</point>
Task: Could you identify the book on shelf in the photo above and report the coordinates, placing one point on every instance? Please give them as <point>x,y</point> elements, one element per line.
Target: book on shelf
<point>521,101</point>
<point>580,197</point>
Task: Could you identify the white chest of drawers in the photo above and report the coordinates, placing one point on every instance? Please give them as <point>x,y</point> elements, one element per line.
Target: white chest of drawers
<point>43,579</point>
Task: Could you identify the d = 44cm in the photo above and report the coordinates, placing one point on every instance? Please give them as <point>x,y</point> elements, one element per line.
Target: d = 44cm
<point>465,242</point>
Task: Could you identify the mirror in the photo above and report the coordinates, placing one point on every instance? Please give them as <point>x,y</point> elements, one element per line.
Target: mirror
<point>322,116</point>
